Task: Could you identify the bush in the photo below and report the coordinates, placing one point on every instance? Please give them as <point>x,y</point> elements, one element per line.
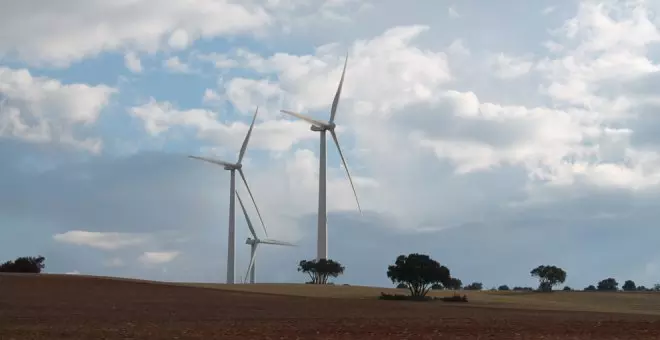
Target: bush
<point>523,289</point>
<point>567,289</point>
<point>437,286</point>
<point>590,288</point>
<point>455,298</point>
<point>402,297</point>
<point>402,286</point>
<point>24,265</point>
<point>474,286</point>
<point>503,287</point>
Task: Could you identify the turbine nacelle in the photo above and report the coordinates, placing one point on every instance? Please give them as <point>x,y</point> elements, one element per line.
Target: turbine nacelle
<point>324,127</point>
<point>236,166</point>
<point>251,241</point>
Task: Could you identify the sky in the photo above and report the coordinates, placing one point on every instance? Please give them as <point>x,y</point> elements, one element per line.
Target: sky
<point>494,137</point>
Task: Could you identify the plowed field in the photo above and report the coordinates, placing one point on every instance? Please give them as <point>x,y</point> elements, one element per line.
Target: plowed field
<point>69,307</point>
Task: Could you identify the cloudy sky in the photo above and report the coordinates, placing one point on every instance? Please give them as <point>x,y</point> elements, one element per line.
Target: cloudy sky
<point>494,136</point>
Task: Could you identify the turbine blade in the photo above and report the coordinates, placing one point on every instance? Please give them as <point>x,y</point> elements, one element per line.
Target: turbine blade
<point>247,218</point>
<point>341,155</point>
<point>305,118</point>
<point>240,171</point>
<point>211,160</point>
<point>247,137</point>
<point>247,274</point>
<point>279,243</point>
<point>335,102</point>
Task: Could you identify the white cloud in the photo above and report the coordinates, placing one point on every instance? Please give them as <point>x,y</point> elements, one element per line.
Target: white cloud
<point>132,62</point>
<point>174,64</point>
<point>101,240</point>
<point>275,135</point>
<point>66,32</point>
<point>511,67</point>
<point>75,272</point>
<point>153,258</point>
<point>43,110</point>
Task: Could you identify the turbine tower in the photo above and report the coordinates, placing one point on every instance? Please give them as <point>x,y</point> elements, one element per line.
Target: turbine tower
<point>255,242</point>
<point>322,127</point>
<point>232,167</point>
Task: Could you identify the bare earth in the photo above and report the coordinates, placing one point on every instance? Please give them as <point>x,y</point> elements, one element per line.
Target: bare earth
<point>70,307</point>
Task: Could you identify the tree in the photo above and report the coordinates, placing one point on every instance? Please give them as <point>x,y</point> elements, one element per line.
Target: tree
<point>437,286</point>
<point>401,286</point>
<point>474,286</point>
<point>24,265</point>
<point>320,270</point>
<point>642,289</point>
<point>590,288</point>
<point>629,286</point>
<point>549,276</point>
<point>454,284</point>
<point>419,272</point>
<point>608,284</point>
<point>503,287</point>
<point>567,289</point>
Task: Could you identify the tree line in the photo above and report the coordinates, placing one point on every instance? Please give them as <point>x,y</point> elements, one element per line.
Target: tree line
<point>420,274</point>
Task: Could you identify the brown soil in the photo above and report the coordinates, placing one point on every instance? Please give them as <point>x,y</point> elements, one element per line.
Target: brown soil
<point>68,307</point>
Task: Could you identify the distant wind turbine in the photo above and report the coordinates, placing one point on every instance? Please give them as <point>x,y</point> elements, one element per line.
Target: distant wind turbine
<point>232,167</point>
<point>255,242</point>
<point>322,127</point>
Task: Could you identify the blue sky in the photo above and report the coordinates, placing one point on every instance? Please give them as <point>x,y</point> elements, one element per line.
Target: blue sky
<point>493,137</point>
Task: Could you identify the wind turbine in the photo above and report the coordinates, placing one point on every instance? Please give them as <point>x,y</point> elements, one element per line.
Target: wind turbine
<point>255,242</point>
<point>322,127</point>
<point>232,167</point>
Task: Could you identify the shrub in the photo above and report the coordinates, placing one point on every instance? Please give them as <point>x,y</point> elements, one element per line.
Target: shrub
<point>567,289</point>
<point>503,287</point>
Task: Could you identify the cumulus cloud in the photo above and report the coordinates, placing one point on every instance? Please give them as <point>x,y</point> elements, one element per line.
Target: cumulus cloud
<point>132,62</point>
<point>153,258</point>
<point>43,110</point>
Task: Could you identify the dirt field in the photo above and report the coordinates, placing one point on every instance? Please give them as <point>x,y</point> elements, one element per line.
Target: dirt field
<point>70,307</point>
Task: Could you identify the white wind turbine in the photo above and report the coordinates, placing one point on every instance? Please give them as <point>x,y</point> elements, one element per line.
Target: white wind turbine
<point>322,127</point>
<point>232,167</point>
<point>255,242</point>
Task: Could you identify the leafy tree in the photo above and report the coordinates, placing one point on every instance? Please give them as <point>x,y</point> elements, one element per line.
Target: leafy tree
<point>419,272</point>
<point>401,286</point>
<point>629,285</point>
<point>642,289</point>
<point>437,286</point>
<point>503,287</point>
<point>608,284</point>
<point>656,287</point>
<point>454,284</point>
<point>548,276</point>
<point>24,265</point>
<point>474,286</point>
<point>568,289</point>
<point>320,270</point>
<point>590,288</point>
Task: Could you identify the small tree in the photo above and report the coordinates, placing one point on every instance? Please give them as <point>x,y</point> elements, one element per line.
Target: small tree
<point>419,272</point>
<point>503,287</point>
<point>474,286</point>
<point>608,284</point>
<point>656,287</point>
<point>629,286</point>
<point>454,284</point>
<point>590,288</point>
<point>549,276</point>
<point>24,265</point>
<point>567,289</point>
<point>642,289</point>
<point>320,270</point>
